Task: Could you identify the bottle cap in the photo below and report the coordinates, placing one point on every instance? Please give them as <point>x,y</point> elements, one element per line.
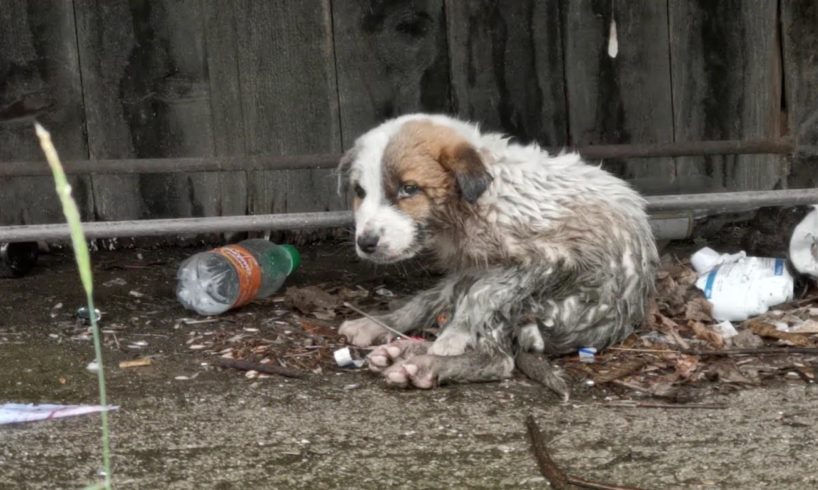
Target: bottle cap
<point>295,257</point>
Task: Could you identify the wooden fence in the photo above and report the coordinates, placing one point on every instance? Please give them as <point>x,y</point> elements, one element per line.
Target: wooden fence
<point>116,79</point>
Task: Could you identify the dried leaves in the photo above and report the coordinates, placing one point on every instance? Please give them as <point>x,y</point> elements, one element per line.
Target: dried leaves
<point>679,329</point>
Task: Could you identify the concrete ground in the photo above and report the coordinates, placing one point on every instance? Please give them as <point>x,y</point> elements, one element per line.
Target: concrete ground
<point>215,428</point>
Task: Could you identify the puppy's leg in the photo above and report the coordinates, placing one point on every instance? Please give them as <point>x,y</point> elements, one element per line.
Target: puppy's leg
<point>485,301</point>
<point>427,371</point>
<point>418,312</point>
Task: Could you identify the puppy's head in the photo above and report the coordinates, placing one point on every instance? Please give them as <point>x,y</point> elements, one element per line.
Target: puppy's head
<point>406,176</point>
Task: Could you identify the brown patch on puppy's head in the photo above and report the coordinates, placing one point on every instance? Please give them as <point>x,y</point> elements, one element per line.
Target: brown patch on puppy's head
<point>427,165</point>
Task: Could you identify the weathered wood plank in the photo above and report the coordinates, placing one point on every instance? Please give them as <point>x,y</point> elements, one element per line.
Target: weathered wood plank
<point>507,67</point>
<point>147,95</point>
<point>626,98</point>
<point>799,23</point>
<point>229,136</point>
<point>392,59</point>
<point>289,99</point>
<point>39,77</point>
<point>726,85</point>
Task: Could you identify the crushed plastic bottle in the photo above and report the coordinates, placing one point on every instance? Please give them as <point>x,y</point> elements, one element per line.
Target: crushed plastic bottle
<point>228,277</point>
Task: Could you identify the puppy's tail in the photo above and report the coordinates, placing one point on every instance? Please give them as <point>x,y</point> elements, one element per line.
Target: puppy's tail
<point>540,370</point>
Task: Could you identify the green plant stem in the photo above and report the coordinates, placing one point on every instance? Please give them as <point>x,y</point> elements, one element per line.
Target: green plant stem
<point>83,259</point>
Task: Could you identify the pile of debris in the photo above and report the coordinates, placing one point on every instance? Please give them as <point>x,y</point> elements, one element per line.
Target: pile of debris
<point>680,344</point>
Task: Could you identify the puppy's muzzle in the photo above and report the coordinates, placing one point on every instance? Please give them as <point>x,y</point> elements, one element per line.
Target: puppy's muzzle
<point>368,243</point>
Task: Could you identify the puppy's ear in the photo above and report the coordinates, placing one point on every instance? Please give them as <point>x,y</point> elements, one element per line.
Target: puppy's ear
<point>468,168</point>
<point>343,168</point>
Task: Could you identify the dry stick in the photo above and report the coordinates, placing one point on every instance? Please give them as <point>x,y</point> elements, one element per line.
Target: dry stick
<point>549,469</point>
<point>558,478</point>
<point>382,324</point>
<point>713,406</point>
<point>261,368</point>
<point>744,352</point>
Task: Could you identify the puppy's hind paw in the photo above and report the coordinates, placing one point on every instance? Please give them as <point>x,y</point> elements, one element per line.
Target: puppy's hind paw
<point>385,356</point>
<point>418,371</point>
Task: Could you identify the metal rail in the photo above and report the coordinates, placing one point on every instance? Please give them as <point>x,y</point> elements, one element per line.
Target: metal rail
<point>330,160</point>
<point>219,224</point>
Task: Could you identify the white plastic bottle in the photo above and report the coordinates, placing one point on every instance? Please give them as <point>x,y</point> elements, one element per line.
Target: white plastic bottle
<point>228,277</point>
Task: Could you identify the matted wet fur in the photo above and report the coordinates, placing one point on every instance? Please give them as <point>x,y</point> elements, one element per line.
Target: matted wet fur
<point>544,253</point>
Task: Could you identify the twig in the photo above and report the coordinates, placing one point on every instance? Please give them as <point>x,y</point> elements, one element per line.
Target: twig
<point>382,324</point>
<point>549,469</point>
<point>655,351</point>
<point>744,352</point>
<point>262,368</point>
<point>558,478</point>
<point>713,406</point>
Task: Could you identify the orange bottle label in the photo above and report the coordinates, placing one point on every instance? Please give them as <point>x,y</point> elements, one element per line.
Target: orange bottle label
<point>248,270</point>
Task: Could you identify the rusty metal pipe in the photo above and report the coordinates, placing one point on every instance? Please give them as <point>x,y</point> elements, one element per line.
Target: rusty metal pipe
<point>219,224</point>
<point>330,160</point>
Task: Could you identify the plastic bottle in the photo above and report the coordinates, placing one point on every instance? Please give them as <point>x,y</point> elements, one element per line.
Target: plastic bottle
<point>228,277</point>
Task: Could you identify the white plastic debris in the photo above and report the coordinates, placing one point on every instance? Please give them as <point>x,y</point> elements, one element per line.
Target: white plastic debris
<point>14,413</point>
<point>587,354</point>
<point>725,329</point>
<point>613,41</point>
<point>343,357</point>
<point>740,287</point>
<point>92,366</point>
<point>707,258</point>
<point>804,245</point>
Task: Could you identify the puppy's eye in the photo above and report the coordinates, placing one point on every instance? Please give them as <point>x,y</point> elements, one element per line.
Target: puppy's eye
<point>408,190</point>
<point>359,191</point>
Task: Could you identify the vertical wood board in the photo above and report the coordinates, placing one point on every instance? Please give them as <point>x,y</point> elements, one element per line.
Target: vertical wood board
<point>39,79</point>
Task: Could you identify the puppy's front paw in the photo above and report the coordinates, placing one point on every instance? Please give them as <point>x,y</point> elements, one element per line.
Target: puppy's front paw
<point>451,343</point>
<point>363,332</point>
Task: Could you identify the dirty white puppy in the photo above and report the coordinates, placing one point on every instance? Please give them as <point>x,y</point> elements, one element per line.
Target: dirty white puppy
<point>544,253</point>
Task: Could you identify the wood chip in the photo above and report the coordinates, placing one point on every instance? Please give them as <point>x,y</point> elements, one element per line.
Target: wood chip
<point>141,362</point>
<point>769,331</point>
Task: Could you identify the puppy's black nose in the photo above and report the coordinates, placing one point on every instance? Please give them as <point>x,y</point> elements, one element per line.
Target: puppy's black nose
<point>367,243</point>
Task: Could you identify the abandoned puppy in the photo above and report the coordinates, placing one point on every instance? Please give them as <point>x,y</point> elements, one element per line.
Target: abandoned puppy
<point>543,253</point>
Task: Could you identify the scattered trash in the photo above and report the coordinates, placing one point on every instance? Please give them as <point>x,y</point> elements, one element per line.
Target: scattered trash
<point>92,366</point>
<point>84,316</point>
<point>587,354</point>
<point>136,294</point>
<point>343,357</point>
<point>739,287</point>
<point>382,291</point>
<point>224,278</point>
<point>353,386</point>
<point>141,362</point>
<point>13,413</point>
